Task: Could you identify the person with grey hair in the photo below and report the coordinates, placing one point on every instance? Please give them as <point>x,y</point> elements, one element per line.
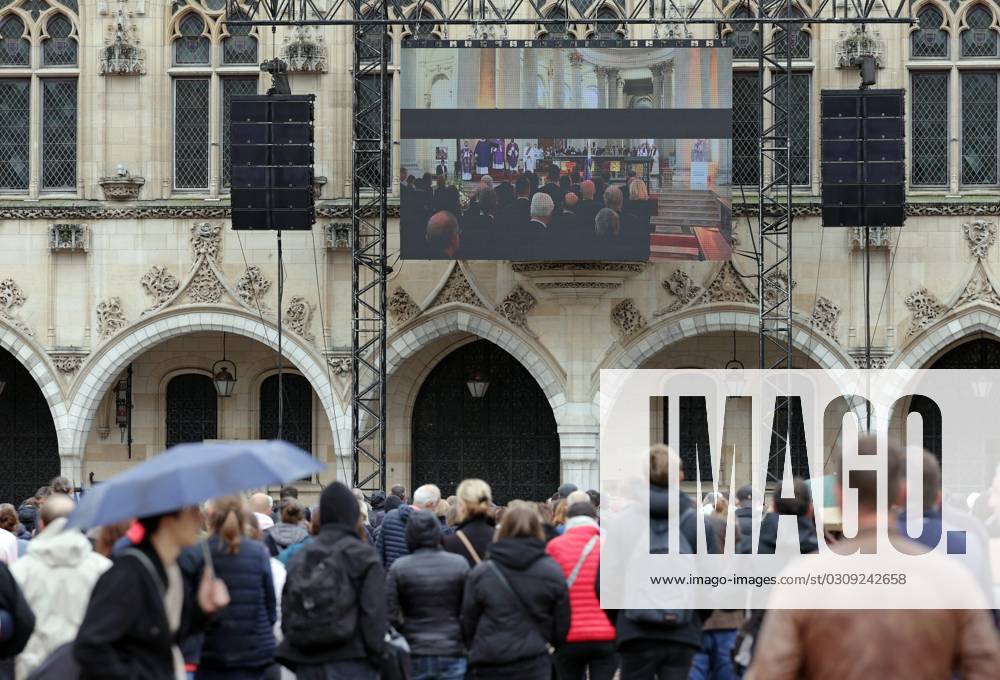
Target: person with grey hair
<point>391,542</point>
<point>633,241</point>
<point>606,224</point>
<point>540,215</point>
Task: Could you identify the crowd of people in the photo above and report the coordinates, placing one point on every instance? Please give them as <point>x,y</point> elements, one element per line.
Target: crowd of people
<point>560,216</point>
<point>426,587</point>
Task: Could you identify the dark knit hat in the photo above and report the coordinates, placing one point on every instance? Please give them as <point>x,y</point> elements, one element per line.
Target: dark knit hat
<point>566,489</point>
<point>337,505</point>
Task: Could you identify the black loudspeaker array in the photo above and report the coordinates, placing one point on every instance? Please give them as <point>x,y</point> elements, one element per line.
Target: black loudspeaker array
<point>272,162</point>
<point>862,138</point>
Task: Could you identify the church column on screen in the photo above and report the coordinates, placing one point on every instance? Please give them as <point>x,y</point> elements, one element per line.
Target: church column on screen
<point>687,70</point>
<point>510,90</point>
<point>529,92</point>
<point>468,81</point>
<point>558,79</point>
<point>602,86</point>
<point>576,78</point>
<point>612,88</point>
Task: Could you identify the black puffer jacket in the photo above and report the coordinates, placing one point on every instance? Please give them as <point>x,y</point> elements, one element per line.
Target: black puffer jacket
<point>479,530</point>
<point>498,627</point>
<point>424,591</point>
<point>744,519</point>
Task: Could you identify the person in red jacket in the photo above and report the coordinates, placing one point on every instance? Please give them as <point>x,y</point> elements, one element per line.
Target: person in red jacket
<point>591,640</point>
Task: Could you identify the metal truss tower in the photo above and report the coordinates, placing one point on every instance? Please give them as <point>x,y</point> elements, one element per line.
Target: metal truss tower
<point>370,22</point>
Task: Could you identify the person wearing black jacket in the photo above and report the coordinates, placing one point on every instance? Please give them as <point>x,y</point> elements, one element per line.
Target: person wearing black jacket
<point>475,529</point>
<point>424,595</point>
<point>744,518</point>
<point>516,603</point>
<point>17,621</point>
<point>141,607</point>
<point>359,657</point>
<point>663,651</point>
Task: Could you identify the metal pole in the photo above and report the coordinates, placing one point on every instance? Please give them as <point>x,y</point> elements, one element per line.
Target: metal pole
<point>281,356</point>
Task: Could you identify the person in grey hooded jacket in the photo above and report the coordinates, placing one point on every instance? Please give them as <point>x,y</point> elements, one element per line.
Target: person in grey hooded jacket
<point>289,530</point>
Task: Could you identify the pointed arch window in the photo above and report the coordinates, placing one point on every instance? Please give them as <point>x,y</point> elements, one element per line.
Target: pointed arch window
<point>930,40</point>
<point>745,40</point>
<point>192,47</point>
<point>59,48</point>
<point>980,38</point>
<point>240,47</point>
<point>800,41</point>
<point>15,50</point>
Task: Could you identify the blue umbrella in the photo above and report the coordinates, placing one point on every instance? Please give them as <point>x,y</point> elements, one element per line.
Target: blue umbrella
<point>189,474</point>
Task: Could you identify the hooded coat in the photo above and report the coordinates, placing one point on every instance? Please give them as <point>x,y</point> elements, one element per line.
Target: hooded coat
<point>283,535</point>
<point>56,576</point>
<point>808,543</point>
<point>338,536</point>
<point>424,591</point>
<point>500,629</point>
<point>391,540</point>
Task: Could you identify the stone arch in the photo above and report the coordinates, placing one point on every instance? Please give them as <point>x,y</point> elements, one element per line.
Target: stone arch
<point>102,368</point>
<point>675,328</point>
<point>33,357</point>
<point>457,317</point>
<point>934,340</point>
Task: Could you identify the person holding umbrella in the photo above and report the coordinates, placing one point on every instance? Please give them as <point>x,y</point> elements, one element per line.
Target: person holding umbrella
<point>140,607</point>
<point>140,610</point>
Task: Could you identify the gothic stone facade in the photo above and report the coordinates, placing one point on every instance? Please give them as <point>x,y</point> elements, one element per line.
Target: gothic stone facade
<point>115,247</point>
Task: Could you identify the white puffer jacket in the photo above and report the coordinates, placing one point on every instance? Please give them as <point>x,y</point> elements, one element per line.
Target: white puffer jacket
<point>56,575</point>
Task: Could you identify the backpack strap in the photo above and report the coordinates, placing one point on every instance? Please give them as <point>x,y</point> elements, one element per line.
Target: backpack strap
<point>468,546</point>
<point>571,579</point>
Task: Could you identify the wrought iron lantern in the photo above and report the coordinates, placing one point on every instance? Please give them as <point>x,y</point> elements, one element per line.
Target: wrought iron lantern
<point>224,373</point>
<point>477,382</point>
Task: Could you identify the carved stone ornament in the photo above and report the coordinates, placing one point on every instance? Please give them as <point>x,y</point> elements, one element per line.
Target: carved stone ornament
<point>627,318</point>
<point>252,287</point>
<point>159,284</point>
<point>121,187</point>
<point>110,318</point>
<point>206,240</point>
<point>338,236</point>
<point>878,237</point>
<point>206,246</point>
<point>11,299</point>
<point>682,287</point>
<point>776,287</point>
<point>121,54</point>
<point>298,317</point>
<point>205,287</point>
<point>68,238</point>
<point>401,306</point>
<point>981,234</point>
<point>856,42</point>
<point>340,364</point>
<point>880,357</point>
<point>516,306</point>
<point>68,360</point>
<point>728,286</point>
<point>457,289</point>
<point>979,288</point>
<point>304,50</point>
<point>924,308</point>
<point>825,315</point>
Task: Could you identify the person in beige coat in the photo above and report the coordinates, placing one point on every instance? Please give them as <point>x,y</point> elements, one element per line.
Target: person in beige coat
<point>56,575</point>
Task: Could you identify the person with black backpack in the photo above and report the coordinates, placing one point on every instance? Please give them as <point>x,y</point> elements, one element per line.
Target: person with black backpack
<point>516,604</point>
<point>333,603</point>
<point>660,644</point>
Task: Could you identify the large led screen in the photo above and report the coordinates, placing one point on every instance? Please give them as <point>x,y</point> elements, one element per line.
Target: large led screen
<point>566,150</point>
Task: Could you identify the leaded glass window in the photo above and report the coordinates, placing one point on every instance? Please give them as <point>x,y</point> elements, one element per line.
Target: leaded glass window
<point>231,87</point>
<point>555,28</point>
<point>420,31</point>
<point>746,115</point>
<point>36,7</point>
<point>191,133</point>
<point>929,129</point>
<point>240,47</point>
<point>214,4</point>
<point>71,4</point>
<point>59,49</point>
<point>930,40</point>
<point>191,47</point>
<point>15,50</point>
<point>607,24</point>
<point>798,133</point>
<point>296,425</point>
<point>800,39</point>
<point>979,128</point>
<point>58,134</point>
<point>192,409</point>
<point>979,40</point>
<point>369,47</point>
<point>745,40</point>
<point>15,113</point>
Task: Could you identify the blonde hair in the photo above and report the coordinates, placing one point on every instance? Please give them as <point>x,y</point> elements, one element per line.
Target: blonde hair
<point>442,508</point>
<point>559,513</point>
<point>719,503</point>
<point>660,458</point>
<point>637,190</point>
<point>474,498</point>
<point>229,522</point>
